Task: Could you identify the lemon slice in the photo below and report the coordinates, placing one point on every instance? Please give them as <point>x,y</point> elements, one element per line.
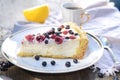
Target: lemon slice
<point>37,14</point>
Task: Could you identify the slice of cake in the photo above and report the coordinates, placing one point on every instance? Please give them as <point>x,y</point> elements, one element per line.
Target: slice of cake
<point>65,41</point>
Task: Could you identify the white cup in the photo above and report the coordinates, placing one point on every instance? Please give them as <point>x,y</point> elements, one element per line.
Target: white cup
<point>73,12</point>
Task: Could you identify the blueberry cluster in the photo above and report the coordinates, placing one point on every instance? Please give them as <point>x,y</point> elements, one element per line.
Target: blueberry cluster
<point>68,64</point>
<point>4,65</point>
<point>67,30</point>
<point>57,34</point>
<point>100,75</point>
<point>44,63</point>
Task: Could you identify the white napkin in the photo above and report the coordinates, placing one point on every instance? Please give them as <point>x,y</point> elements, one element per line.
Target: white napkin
<point>92,3</point>
<point>104,21</point>
<point>106,64</point>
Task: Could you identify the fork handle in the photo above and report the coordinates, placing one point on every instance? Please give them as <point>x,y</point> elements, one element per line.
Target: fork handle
<point>111,53</point>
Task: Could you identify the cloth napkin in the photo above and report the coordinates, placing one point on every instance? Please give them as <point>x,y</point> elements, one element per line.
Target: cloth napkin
<point>106,64</point>
<point>104,21</point>
<point>92,3</point>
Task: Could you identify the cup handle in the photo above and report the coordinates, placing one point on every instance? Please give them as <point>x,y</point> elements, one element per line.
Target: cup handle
<point>83,15</point>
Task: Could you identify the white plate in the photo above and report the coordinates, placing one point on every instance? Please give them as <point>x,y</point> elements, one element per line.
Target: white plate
<point>11,44</point>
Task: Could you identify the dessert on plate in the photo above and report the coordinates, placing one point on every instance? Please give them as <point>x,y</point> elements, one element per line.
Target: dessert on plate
<point>66,41</point>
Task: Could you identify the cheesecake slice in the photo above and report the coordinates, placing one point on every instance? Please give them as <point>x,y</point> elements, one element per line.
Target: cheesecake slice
<point>65,41</point>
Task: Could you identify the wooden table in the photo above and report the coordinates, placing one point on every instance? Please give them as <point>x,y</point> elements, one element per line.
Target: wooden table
<point>10,12</point>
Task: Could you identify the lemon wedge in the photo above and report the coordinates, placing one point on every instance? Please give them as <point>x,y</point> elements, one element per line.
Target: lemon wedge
<point>37,14</point>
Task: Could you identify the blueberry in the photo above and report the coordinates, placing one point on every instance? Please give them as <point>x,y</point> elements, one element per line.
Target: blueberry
<point>92,66</point>
<point>53,62</point>
<point>37,57</point>
<point>46,35</point>
<point>100,75</point>
<point>53,29</point>
<point>71,32</point>
<point>75,60</point>
<point>46,41</point>
<point>5,65</point>
<point>57,33</point>
<point>9,63</point>
<point>33,34</point>
<point>59,29</point>
<point>52,32</point>
<point>76,34</point>
<point>44,63</point>
<point>1,62</point>
<point>67,27</point>
<point>67,64</point>
<point>67,38</point>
